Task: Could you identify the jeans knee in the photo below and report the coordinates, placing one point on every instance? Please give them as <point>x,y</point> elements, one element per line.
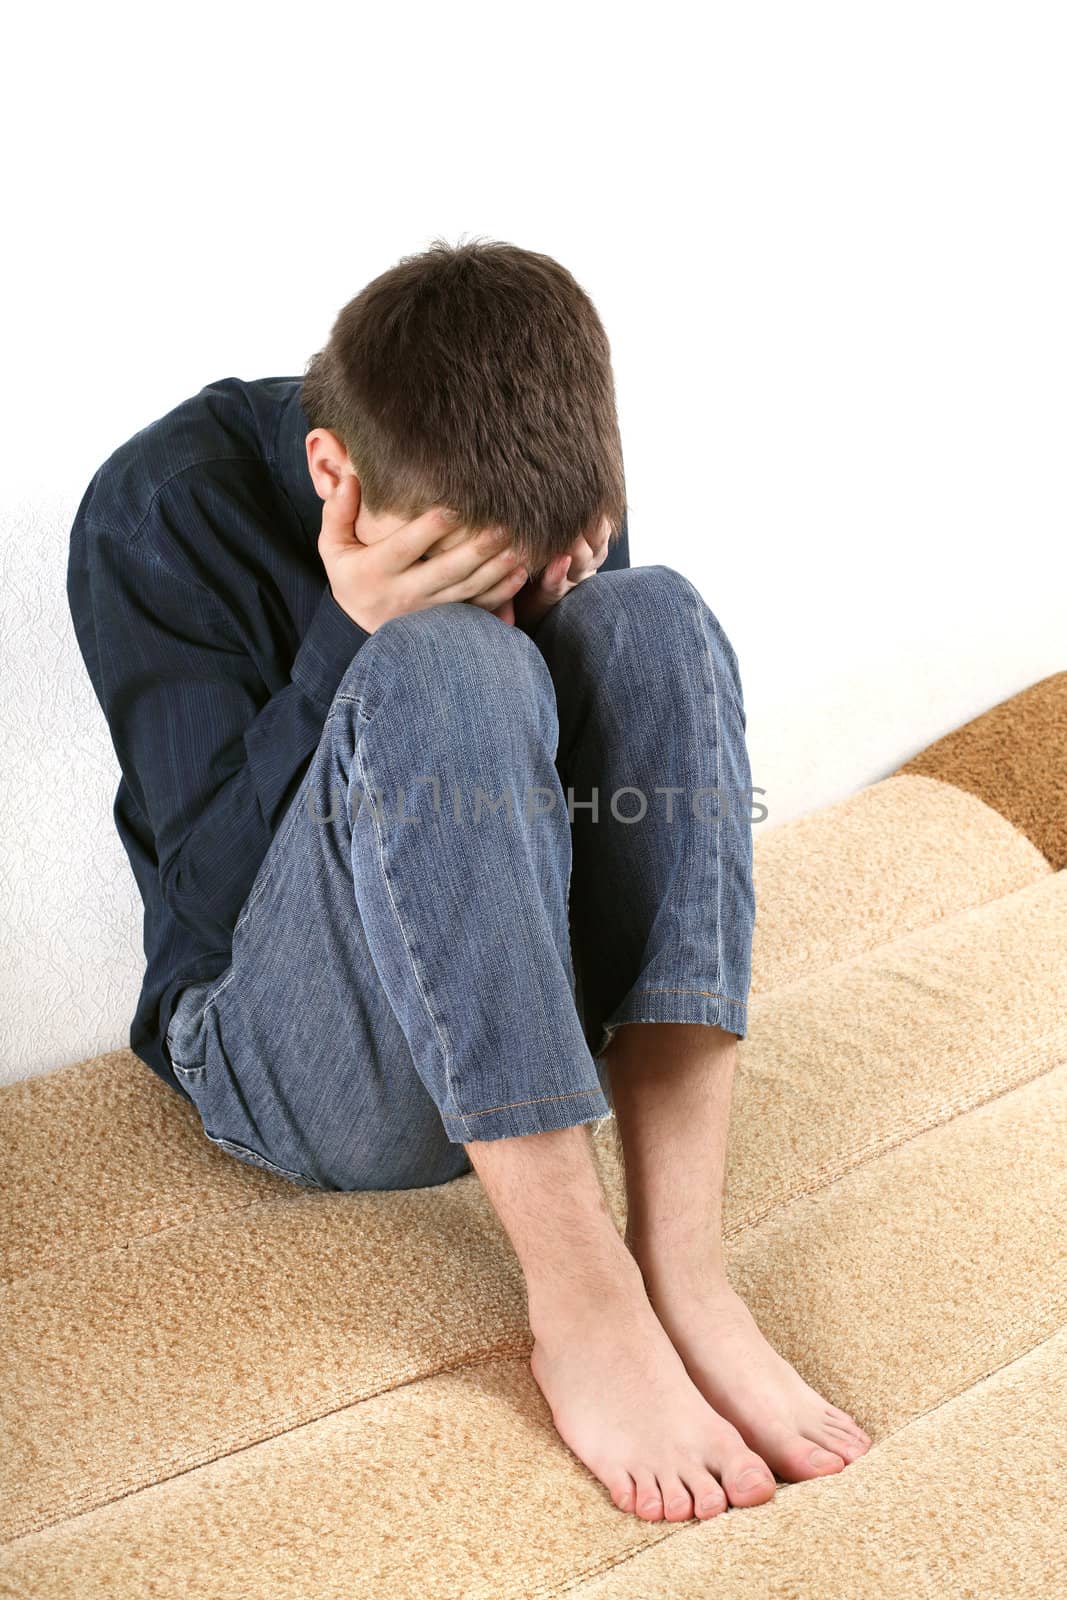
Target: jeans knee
<point>657,587</point>
<point>650,591</point>
<point>670,592</point>
<point>455,662</point>
<point>658,600</point>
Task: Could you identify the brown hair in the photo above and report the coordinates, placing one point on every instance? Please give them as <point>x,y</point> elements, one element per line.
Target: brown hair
<point>476,376</point>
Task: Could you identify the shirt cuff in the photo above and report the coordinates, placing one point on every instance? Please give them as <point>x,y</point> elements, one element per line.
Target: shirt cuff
<point>325,651</point>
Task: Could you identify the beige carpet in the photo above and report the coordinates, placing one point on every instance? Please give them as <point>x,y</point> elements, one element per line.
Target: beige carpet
<point>220,1386</point>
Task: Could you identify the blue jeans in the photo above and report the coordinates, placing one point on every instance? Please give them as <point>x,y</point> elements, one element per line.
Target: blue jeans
<point>505,846</point>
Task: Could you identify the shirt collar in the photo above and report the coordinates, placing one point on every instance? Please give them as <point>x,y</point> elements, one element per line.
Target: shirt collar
<point>290,459</point>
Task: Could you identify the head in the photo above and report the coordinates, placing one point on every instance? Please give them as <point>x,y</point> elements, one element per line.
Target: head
<point>475,376</point>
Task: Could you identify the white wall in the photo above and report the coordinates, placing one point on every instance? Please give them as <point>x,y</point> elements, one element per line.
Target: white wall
<point>828,244</point>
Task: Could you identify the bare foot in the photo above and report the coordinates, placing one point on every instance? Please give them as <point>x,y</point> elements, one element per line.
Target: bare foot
<point>622,1401</point>
<point>793,1428</point>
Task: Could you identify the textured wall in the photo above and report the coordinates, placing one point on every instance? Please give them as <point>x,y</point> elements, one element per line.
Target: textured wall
<point>70,969</point>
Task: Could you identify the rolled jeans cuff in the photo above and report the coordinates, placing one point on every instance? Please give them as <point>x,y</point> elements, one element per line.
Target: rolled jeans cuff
<point>676,1005</point>
<point>543,1114</point>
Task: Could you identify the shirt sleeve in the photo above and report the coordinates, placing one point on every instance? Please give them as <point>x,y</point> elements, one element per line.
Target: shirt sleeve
<point>211,758</point>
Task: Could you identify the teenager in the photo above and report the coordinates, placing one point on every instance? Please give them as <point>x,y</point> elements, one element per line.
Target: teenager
<point>442,829</point>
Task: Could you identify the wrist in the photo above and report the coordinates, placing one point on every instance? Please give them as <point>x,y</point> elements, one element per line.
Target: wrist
<point>332,639</point>
<point>362,620</point>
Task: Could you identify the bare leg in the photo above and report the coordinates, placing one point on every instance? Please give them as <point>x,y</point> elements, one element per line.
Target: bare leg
<point>619,1393</point>
<point>671,1084</point>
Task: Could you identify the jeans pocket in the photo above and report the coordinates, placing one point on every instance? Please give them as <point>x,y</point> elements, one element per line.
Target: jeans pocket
<point>252,1158</point>
<point>184,1037</point>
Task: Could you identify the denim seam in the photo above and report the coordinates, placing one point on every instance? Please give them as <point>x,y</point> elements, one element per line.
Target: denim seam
<point>509,1104</point>
<point>442,1039</point>
<point>234,1148</point>
<point>611,1029</point>
<point>701,609</point>
<point>712,994</point>
<point>267,878</point>
<point>216,992</point>
<point>614,1030</point>
<point>350,700</point>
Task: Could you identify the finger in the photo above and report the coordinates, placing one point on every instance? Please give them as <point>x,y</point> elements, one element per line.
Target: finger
<point>554,579</point>
<point>534,602</point>
<point>581,557</point>
<point>404,547</point>
<point>592,551</point>
<point>504,609</point>
<point>492,582</point>
<point>340,510</point>
<point>447,568</point>
<point>448,541</point>
<point>582,566</point>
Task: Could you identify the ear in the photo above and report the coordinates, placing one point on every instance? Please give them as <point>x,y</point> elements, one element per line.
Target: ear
<point>328,461</point>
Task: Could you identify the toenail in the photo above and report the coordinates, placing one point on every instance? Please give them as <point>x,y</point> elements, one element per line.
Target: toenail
<point>711,1502</point>
<point>679,1503</point>
<point>822,1458</point>
<point>749,1479</point>
<point>650,1505</point>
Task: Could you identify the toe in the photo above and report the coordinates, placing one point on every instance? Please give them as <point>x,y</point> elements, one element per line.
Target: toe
<point>845,1424</point>
<point>649,1503</point>
<point>842,1418</point>
<point>795,1458</point>
<point>677,1501</point>
<point>748,1481</point>
<point>707,1492</point>
<point>841,1441</point>
<point>620,1486</point>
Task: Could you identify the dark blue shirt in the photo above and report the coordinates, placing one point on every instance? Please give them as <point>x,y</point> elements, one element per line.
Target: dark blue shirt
<point>215,647</point>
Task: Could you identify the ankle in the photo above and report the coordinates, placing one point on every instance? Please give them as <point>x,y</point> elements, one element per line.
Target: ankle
<point>594,1288</point>
<point>674,1265</point>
